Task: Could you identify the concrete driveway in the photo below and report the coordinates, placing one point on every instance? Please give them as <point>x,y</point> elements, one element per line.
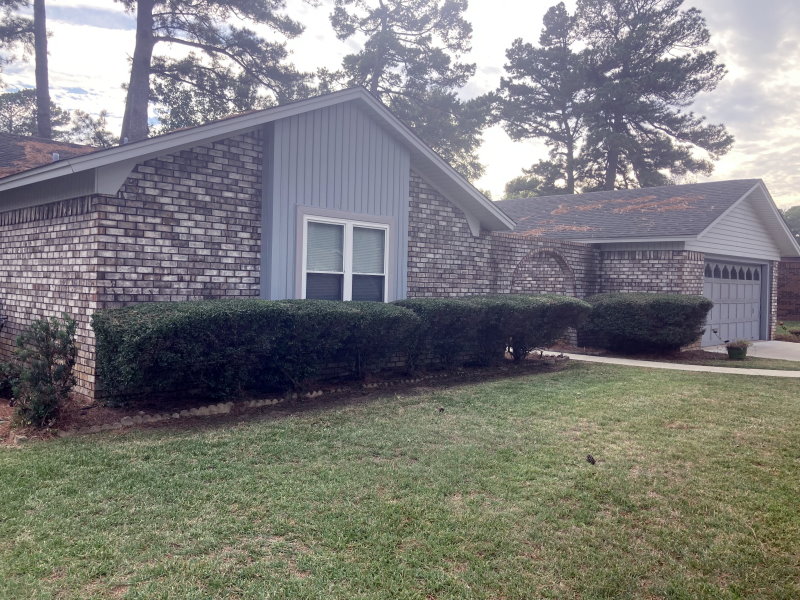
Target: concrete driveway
<point>782,350</point>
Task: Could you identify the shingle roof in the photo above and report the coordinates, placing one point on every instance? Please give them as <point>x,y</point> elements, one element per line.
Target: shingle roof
<point>20,153</point>
<point>667,211</point>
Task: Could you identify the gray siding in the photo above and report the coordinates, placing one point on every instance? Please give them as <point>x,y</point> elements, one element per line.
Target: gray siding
<point>332,160</point>
<point>739,233</point>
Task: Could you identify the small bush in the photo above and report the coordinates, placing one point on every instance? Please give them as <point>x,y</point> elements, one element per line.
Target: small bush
<point>9,375</point>
<point>45,356</point>
<point>221,347</point>
<point>642,322</point>
<point>521,323</point>
<point>448,330</point>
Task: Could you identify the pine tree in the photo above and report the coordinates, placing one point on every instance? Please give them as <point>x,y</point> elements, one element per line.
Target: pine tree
<point>609,90</point>
<point>647,63</point>
<point>222,45</point>
<point>544,96</point>
<point>410,61</point>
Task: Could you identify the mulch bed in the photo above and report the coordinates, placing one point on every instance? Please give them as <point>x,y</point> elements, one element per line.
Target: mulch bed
<point>82,413</point>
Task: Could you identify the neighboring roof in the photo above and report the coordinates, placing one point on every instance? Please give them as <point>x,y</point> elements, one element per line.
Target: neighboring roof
<point>20,153</point>
<point>666,213</point>
<point>674,211</point>
<point>112,165</point>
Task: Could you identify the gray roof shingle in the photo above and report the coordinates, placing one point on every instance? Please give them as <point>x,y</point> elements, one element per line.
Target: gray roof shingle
<point>667,211</point>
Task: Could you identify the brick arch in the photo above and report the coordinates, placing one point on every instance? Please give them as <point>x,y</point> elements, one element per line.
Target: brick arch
<point>543,272</point>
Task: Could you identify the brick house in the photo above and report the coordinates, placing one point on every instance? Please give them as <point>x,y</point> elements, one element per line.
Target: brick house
<point>721,239</point>
<point>330,197</point>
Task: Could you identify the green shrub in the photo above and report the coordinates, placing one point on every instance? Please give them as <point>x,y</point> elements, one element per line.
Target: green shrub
<point>221,347</point>
<point>9,375</point>
<point>378,332</point>
<point>521,323</point>
<point>448,330</point>
<point>45,356</point>
<point>641,322</point>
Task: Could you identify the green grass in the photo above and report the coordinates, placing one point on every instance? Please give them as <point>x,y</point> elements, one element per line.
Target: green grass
<point>750,362</point>
<point>694,495</point>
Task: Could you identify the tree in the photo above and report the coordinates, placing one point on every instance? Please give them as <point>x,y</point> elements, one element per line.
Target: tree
<point>91,131</point>
<point>43,117</point>
<point>410,61</point>
<point>647,65</point>
<point>545,178</point>
<point>792,217</point>
<point>614,81</point>
<point>18,114</point>
<point>220,41</point>
<point>15,29</point>
<point>544,96</point>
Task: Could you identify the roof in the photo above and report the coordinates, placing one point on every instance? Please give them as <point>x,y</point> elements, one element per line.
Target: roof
<point>20,153</point>
<point>104,171</point>
<point>674,211</point>
<point>668,213</point>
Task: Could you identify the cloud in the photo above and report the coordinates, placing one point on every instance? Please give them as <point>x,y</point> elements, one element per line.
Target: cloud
<point>91,16</point>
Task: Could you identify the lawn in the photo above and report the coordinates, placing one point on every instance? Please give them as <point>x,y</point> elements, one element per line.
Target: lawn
<point>750,362</point>
<point>694,495</point>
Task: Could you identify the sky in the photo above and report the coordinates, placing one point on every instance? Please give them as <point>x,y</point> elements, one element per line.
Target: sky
<point>759,42</point>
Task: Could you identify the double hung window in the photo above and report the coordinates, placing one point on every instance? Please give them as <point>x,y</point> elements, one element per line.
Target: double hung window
<point>344,260</point>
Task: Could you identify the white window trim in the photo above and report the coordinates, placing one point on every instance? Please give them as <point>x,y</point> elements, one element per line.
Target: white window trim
<point>349,224</point>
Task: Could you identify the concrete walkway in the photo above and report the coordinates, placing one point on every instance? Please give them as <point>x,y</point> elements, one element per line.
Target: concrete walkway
<point>650,364</point>
<point>782,350</point>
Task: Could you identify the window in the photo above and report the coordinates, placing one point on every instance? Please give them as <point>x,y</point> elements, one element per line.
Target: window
<point>344,260</point>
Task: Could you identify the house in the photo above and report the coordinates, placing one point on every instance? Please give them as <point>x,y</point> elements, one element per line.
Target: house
<point>330,197</point>
<point>720,239</point>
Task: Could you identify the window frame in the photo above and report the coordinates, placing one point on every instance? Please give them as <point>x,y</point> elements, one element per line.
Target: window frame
<point>347,249</point>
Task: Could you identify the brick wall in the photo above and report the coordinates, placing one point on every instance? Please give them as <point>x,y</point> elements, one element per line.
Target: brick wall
<point>185,226</point>
<point>664,271</point>
<point>47,267</point>
<point>445,259</point>
<point>788,289</point>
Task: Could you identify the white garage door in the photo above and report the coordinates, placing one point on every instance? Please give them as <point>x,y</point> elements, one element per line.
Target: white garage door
<point>735,290</point>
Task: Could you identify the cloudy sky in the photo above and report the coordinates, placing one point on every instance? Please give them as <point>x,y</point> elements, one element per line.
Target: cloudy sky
<point>759,42</point>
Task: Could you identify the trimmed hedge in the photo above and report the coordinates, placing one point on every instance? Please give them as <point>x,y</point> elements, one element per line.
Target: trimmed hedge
<point>447,333</point>
<point>642,322</point>
<point>224,346</point>
<point>521,323</point>
<point>483,327</point>
<point>221,347</point>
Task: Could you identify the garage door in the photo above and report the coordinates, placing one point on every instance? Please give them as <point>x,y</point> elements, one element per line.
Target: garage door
<point>735,290</point>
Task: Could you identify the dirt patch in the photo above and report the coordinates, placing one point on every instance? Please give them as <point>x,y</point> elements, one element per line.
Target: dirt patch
<point>82,413</point>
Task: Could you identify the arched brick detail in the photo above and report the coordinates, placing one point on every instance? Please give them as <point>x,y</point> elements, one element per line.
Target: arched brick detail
<point>543,272</point>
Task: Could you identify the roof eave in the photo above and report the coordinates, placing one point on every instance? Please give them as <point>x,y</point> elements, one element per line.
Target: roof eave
<point>457,189</point>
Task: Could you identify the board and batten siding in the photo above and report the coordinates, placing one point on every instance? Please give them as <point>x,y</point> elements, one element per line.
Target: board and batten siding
<point>740,233</point>
<point>334,161</point>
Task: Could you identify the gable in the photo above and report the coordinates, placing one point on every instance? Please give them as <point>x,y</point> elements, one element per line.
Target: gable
<point>107,169</point>
<point>751,228</point>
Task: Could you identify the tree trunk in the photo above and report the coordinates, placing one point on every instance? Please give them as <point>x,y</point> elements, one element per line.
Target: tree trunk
<point>43,120</point>
<point>612,162</point>
<point>570,189</point>
<point>134,121</point>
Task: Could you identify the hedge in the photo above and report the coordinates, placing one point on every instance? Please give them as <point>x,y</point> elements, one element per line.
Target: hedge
<point>448,329</point>
<point>642,322</point>
<point>522,323</point>
<point>223,346</point>
<point>481,328</point>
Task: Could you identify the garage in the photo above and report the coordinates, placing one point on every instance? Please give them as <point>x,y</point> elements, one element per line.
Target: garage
<point>736,291</point>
